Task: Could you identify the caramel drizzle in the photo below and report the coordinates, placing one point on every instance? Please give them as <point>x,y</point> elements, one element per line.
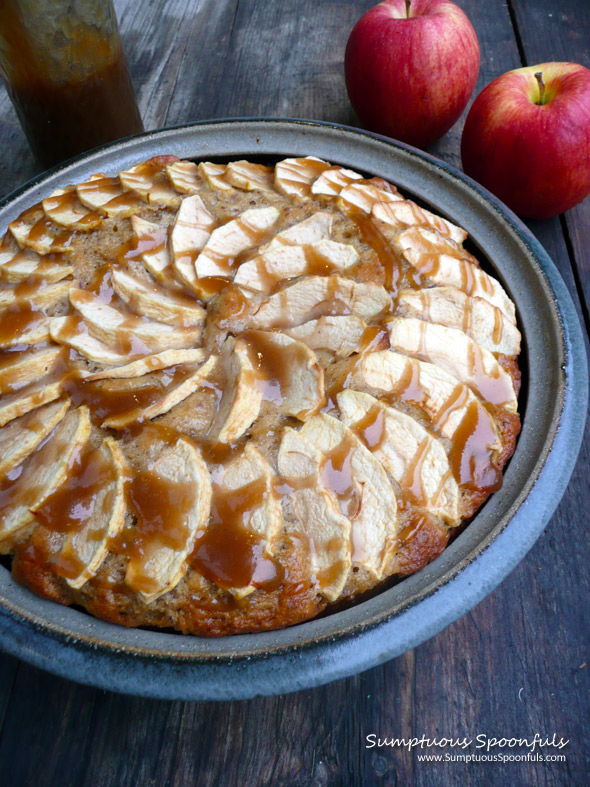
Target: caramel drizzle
<point>161,508</point>
<point>274,365</point>
<point>71,505</point>
<point>105,401</point>
<point>472,456</point>
<point>391,261</point>
<point>230,553</point>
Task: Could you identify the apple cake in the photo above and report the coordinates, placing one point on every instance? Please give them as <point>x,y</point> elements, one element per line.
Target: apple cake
<point>234,396</point>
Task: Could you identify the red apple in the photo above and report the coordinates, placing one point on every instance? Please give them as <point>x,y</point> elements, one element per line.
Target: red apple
<point>527,138</point>
<point>410,68</point>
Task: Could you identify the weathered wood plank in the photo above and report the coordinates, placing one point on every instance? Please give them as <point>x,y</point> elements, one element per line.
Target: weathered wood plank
<point>551,32</point>
<point>45,734</point>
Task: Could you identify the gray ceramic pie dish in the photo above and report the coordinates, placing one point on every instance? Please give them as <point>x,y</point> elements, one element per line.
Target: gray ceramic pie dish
<point>72,644</point>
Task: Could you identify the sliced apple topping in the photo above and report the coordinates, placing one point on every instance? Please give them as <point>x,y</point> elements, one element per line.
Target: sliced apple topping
<point>156,302</point>
<point>228,241</point>
<point>249,177</point>
<point>415,459</point>
<point>362,196</point>
<point>294,176</point>
<point>29,398</point>
<point>478,318</point>
<point>444,262</point>
<point>21,369</point>
<point>27,486</point>
<point>184,176</point>
<point>149,180</point>
<point>266,270</point>
<point>23,435</point>
<point>25,264</point>
<point>341,335</point>
<point>151,363</point>
<point>360,485</point>
<point>156,257</point>
<point>319,518</point>
<point>72,332</point>
<point>331,182</point>
<point>287,372</point>
<point>39,233</point>
<point>172,502</point>
<point>245,506</point>
<point>64,208</point>
<point>106,194</point>
<point>444,400</point>
<point>23,323</point>
<point>312,230</point>
<point>406,213</point>
<point>126,332</point>
<point>90,507</point>
<point>192,229</point>
<point>459,355</point>
<point>38,296</point>
<point>315,296</point>
<point>214,175</point>
<point>169,390</point>
<point>242,397</point>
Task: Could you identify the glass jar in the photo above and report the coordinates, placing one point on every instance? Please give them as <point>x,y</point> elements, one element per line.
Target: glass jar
<point>66,73</point>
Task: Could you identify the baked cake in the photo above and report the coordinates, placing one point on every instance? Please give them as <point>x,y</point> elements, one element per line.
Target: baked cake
<point>235,395</point>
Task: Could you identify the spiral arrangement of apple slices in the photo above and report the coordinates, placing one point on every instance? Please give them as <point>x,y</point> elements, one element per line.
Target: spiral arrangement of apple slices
<point>215,374</point>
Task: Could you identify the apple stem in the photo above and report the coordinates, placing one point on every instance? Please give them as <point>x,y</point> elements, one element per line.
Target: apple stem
<point>539,78</point>
<point>408,8</point>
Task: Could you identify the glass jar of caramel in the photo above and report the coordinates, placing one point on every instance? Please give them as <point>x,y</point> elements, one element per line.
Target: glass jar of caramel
<point>66,73</point>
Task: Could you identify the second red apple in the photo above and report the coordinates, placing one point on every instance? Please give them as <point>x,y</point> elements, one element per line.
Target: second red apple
<point>411,67</point>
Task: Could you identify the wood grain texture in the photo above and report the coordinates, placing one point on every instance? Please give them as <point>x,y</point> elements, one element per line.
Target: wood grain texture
<point>513,666</point>
<point>559,32</point>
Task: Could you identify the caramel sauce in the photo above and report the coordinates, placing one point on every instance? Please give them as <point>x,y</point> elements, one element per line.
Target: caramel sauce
<point>498,330</point>
<point>101,284</point>
<point>371,428</point>
<point>411,481</point>
<point>108,189</point>
<point>72,504</point>
<point>161,508</point>
<point>18,319</point>
<point>105,402</point>
<point>311,170</point>
<point>229,553</point>
<point>317,264</point>
<point>408,388</point>
<point>78,99</point>
<point>337,475</point>
<point>43,232</point>
<point>470,457</point>
<point>69,202</point>
<point>274,365</point>
<point>149,242</point>
<point>391,261</point>
<point>467,323</point>
<point>456,401</point>
<point>332,573</point>
<point>66,564</point>
<point>409,531</point>
<point>12,494</point>
<point>374,338</point>
<point>491,386</point>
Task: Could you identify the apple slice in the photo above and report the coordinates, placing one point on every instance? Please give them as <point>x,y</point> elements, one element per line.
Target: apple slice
<point>318,514</point>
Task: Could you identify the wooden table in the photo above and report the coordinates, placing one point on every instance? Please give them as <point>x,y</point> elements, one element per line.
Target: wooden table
<point>516,664</point>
